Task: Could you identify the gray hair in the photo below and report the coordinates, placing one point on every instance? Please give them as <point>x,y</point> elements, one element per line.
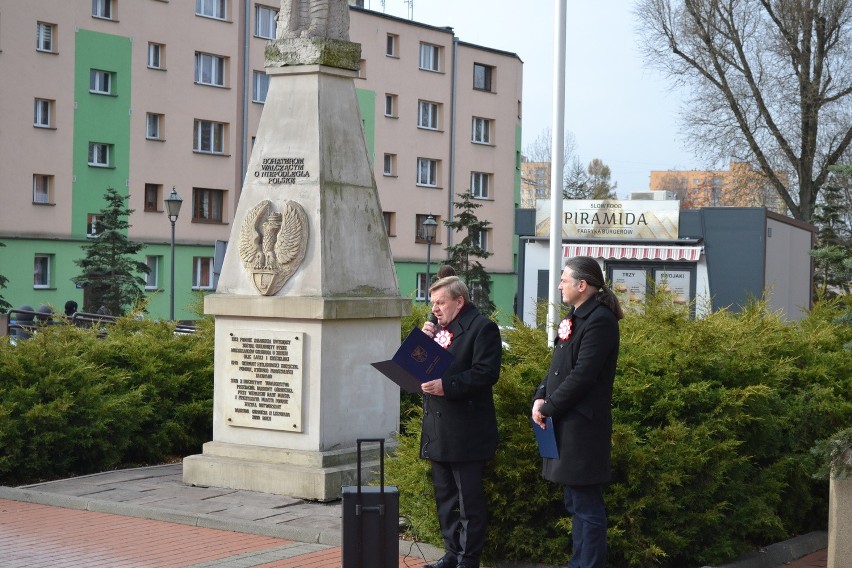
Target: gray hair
<point>454,286</point>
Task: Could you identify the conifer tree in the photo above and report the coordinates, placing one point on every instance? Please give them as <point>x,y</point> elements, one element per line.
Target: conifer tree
<point>110,274</point>
<point>833,253</point>
<point>464,255</point>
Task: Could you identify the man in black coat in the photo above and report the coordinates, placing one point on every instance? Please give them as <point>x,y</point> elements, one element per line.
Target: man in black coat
<point>459,420</point>
<point>577,395</point>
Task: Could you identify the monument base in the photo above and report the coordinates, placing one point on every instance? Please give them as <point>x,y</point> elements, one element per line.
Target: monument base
<point>311,475</point>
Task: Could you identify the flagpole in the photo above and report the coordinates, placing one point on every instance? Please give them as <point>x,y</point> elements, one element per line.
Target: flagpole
<point>557,159</point>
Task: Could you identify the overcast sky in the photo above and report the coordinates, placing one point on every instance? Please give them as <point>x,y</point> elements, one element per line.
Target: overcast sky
<point>616,108</point>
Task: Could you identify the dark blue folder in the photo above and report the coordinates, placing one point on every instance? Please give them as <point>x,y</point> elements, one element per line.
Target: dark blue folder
<point>546,439</point>
<point>418,360</point>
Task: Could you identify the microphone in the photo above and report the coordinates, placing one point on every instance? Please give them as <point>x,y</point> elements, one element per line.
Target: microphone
<point>433,319</point>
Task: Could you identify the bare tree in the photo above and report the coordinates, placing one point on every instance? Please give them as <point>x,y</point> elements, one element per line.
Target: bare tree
<point>540,151</point>
<point>770,83</point>
<point>540,148</point>
<point>578,182</point>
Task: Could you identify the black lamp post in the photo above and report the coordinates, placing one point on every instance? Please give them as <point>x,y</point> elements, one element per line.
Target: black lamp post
<point>428,229</point>
<point>173,203</point>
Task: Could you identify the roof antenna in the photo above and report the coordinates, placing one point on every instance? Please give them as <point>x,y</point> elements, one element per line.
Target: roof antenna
<point>410,8</point>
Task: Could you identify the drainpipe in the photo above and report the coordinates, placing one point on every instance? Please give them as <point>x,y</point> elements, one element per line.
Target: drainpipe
<point>246,84</point>
<point>452,173</point>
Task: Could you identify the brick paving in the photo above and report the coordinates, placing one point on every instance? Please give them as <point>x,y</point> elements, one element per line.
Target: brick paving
<point>148,518</point>
<point>816,560</point>
<point>34,535</point>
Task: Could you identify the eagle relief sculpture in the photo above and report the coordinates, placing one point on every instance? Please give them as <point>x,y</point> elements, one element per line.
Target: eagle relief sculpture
<point>273,244</point>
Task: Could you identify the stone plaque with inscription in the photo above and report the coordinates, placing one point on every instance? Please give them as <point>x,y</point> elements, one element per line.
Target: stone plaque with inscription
<point>264,381</point>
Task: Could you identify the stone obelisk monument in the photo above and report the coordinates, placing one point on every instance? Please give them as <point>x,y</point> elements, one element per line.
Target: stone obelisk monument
<point>308,295</point>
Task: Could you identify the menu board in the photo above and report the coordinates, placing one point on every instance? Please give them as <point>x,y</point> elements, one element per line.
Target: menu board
<point>630,285</point>
<point>675,282</point>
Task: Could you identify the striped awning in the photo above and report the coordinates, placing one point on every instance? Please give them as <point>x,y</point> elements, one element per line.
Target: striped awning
<point>690,253</point>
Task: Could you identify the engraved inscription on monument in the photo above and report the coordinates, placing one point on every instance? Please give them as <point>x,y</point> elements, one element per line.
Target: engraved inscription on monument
<point>282,171</point>
<point>264,386</point>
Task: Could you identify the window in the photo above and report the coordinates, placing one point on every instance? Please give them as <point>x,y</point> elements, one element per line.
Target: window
<point>482,77</point>
<point>92,225</point>
<point>102,9</point>
<point>209,137</point>
<point>422,287</point>
<point>390,105</point>
<point>427,115</point>
<point>202,273</point>
<point>207,204</point>
<point>392,48</point>
<point>99,154</point>
<point>479,184</point>
<point>390,165</point>
<point>44,37</point>
<point>156,55</point>
<point>481,131</point>
<point>154,126</point>
<point>427,172</point>
<point>390,222</point>
<point>211,8</point>
<point>41,271</point>
<point>152,196</point>
<point>261,87</point>
<point>429,57</point>
<point>265,21</point>
<point>209,69</point>
<point>479,239</point>
<point>418,236</point>
<point>152,277</point>
<point>42,188</point>
<point>43,113</point>
<point>477,293</point>
<point>100,82</point>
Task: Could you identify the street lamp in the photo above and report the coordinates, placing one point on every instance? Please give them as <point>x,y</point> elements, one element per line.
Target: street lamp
<point>173,203</point>
<point>428,234</point>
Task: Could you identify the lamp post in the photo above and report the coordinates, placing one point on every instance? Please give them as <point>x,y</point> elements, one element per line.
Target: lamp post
<point>173,203</point>
<point>428,229</point>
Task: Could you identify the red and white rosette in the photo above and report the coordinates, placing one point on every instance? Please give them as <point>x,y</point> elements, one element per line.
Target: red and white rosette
<point>565,329</point>
<point>444,338</point>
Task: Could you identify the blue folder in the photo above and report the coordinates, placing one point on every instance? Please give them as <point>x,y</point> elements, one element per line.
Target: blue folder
<point>418,360</point>
<point>546,439</point>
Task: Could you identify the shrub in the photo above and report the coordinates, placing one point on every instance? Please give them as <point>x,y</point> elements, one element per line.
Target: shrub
<point>713,424</point>
<point>74,403</point>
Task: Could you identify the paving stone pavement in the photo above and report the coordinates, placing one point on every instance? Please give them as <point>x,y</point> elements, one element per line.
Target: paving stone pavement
<point>148,518</point>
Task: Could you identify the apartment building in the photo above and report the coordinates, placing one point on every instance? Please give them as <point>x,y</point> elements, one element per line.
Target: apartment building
<point>146,95</point>
<point>535,183</point>
<point>742,185</point>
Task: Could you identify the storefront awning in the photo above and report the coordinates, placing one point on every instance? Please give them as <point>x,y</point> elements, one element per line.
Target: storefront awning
<point>639,252</point>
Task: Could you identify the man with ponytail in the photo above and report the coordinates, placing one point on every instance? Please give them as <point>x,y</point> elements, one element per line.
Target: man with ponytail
<point>577,395</point>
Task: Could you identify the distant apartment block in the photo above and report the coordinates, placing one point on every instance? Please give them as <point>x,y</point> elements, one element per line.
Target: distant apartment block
<point>535,183</point>
<point>146,95</point>
<point>740,186</point>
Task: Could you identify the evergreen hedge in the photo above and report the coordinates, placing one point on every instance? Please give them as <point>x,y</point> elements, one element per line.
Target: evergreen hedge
<point>714,420</point>
<point>76,401</point>
<point>714,424</point>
